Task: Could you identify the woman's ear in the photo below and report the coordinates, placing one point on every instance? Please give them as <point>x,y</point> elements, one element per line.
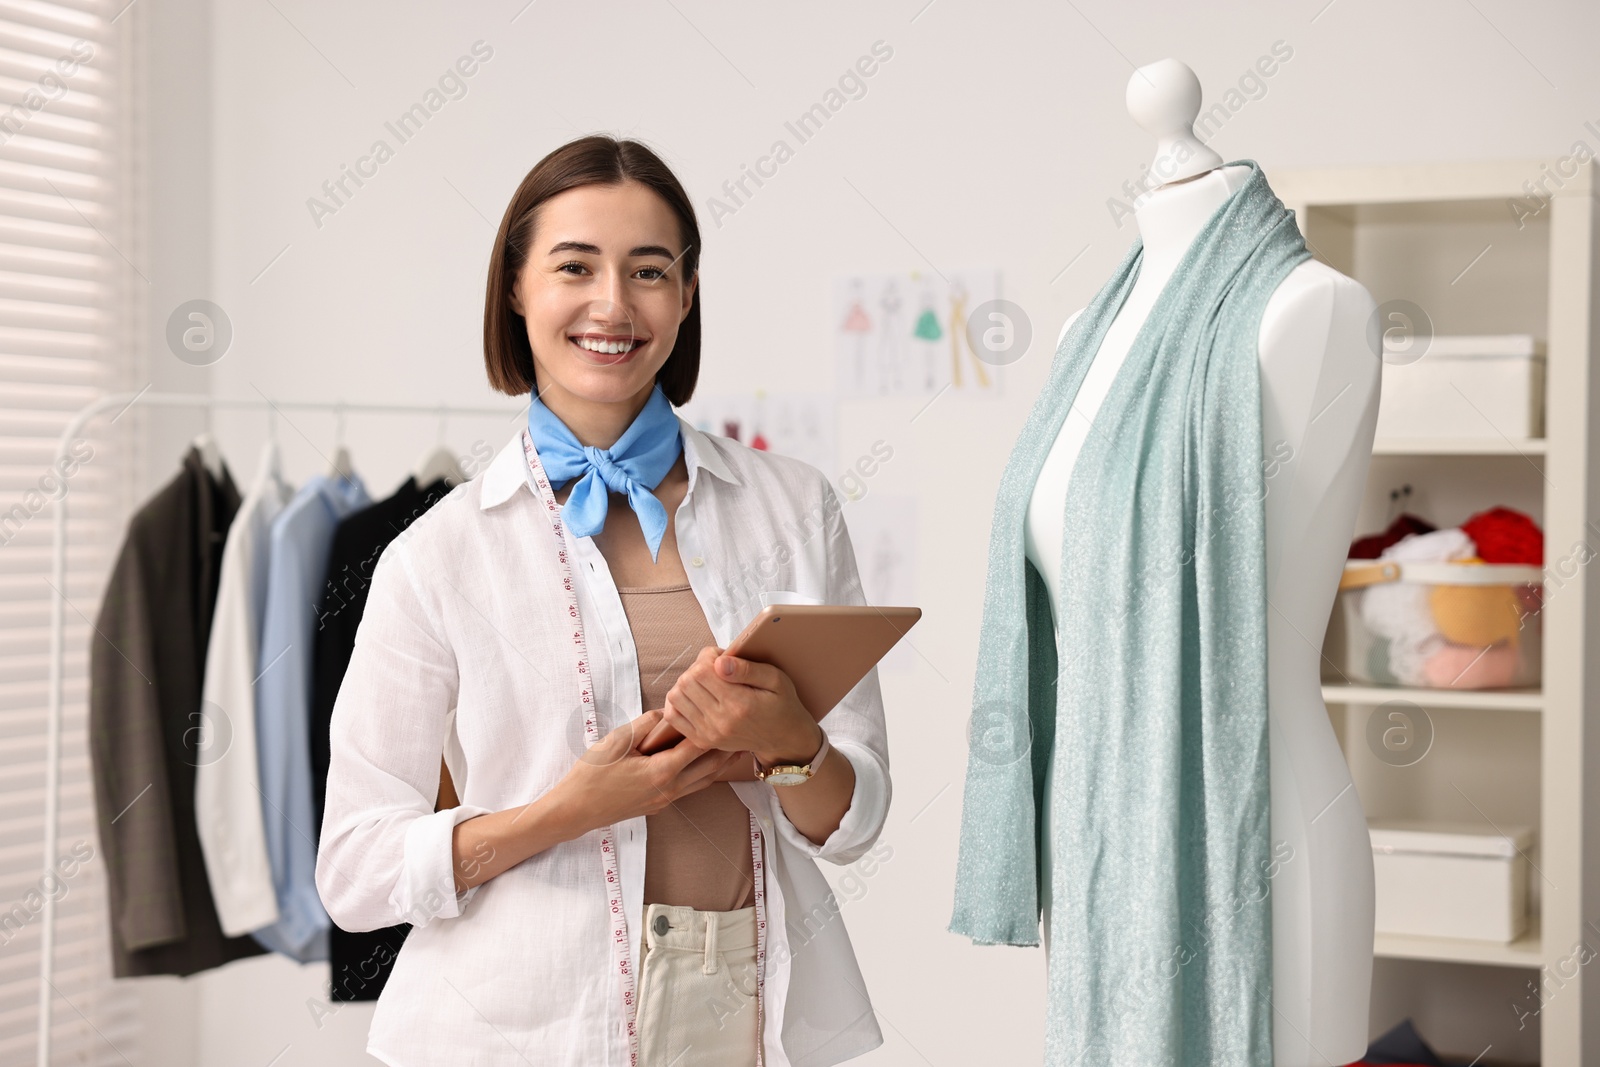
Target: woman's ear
<point>515,299</point>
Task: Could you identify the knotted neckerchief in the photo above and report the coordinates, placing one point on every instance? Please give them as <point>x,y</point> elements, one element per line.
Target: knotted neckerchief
<point>634,466</point>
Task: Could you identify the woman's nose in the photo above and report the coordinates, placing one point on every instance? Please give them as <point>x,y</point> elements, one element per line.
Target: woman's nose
<point>613,295</point>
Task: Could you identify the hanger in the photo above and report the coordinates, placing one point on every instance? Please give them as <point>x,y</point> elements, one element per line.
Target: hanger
<point>210,454</point>
<point>206,444</point>
<point>270,465</point>
<point>271,462</point>
<point>439,463</point>
<point>341,467</point>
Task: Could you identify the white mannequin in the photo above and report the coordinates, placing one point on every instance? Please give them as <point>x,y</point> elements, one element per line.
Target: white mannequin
<point>1319,398</point>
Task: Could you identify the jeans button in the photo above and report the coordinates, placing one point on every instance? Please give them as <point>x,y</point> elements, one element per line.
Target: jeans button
<point>661,925</point>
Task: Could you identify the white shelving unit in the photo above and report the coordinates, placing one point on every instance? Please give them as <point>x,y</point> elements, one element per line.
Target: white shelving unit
<point>1456,446</point>
<point>1491,699</point>
<point>1469,244</point>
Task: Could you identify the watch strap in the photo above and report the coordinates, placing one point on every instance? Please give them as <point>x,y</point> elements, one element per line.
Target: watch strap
<point>809,768</point>
<point>822,752</point>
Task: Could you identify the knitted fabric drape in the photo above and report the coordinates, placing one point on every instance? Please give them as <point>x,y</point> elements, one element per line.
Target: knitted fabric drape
<point>1153,695</point>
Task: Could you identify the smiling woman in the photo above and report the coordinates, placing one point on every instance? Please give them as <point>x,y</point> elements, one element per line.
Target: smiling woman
<point>537,625</point>
<point>614,271</point>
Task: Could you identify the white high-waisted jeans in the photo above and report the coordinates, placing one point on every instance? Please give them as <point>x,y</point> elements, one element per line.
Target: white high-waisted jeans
<point>697,988</point>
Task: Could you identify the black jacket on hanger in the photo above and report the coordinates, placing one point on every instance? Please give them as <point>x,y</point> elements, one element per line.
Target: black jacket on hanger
<point>146,667</point>
<point>360,960</point>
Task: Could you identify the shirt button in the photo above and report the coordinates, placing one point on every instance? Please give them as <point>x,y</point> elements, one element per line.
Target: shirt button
<point>698,561</point>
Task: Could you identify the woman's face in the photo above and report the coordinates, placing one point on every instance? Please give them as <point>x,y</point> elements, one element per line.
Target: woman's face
<point>603,292</point>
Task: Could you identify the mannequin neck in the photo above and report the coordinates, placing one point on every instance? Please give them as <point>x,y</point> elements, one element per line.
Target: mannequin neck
<point>1171,216</point>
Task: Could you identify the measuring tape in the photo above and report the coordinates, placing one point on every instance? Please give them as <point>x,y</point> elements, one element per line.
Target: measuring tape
<point>622,952</point>
<point>759,874</point>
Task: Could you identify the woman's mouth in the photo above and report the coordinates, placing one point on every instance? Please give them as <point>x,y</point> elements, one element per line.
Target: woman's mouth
<point>610,350</point>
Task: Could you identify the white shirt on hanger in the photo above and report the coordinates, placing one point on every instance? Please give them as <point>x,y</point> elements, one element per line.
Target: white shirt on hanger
<point>227,794</point>
<point>464,650</point>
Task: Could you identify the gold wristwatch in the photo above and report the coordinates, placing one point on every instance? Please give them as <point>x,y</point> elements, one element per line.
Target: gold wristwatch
<point>790,773</point>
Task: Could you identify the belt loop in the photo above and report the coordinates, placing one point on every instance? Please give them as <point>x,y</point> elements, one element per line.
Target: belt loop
<point>710,965</point>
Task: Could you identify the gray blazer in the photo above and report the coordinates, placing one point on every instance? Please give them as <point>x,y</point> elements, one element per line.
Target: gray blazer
<point>146,664</point>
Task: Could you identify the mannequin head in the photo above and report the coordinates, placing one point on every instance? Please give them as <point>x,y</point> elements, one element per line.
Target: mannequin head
<point>1164,99</point>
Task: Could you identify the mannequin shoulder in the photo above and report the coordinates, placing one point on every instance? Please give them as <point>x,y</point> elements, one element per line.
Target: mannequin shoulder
<point>1316,307</point>
<point>1313,293</point>
<point>1313,284</point>
<point>1072,318</point>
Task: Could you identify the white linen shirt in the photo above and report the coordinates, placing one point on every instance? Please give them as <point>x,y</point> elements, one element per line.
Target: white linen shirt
<point>227,782</point>
<point>465,648</point>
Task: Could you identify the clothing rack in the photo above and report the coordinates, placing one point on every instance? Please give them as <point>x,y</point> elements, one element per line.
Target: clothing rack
<point>121,402</point>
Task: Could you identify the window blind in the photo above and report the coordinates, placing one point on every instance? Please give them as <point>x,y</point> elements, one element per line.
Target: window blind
<point>68,288</point>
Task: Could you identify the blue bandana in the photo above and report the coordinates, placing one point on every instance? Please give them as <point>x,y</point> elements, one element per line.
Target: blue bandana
<point>634,465</point>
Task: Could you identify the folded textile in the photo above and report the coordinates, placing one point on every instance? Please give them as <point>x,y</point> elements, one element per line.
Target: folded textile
<point>1404,525</point>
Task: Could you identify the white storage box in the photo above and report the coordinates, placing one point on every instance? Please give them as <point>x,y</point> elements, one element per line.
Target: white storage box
<point>1438,879</point>
<point>1465,387</point>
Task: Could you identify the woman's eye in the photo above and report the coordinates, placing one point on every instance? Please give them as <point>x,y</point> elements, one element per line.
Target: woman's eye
<point>652,273</point>
<point>564,266</point>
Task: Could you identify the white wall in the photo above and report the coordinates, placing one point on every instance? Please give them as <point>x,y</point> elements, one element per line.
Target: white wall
<point>995,135</point>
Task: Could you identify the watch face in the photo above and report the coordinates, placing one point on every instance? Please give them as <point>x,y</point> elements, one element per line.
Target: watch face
<point>786,778</point>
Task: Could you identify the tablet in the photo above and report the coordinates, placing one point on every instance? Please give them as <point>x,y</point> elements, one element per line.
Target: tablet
<point>825,649</point>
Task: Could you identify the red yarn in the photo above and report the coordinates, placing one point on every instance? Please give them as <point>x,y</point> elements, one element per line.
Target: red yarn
<point>1504,535</point>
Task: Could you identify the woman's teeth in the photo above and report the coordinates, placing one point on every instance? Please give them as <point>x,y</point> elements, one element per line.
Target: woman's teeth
<point>609,348</point>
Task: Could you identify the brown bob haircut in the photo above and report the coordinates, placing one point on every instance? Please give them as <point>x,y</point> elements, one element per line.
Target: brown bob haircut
<point>593,160</point>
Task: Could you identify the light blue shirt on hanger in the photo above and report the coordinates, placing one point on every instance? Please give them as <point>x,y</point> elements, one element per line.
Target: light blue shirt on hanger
<point>301,537</point>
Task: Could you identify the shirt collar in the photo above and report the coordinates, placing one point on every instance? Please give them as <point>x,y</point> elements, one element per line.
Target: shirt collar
<point>508,470</point>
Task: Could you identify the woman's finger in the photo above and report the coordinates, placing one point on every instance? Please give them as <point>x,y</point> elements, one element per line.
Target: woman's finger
<point>698,697</point>
<point>634,730</point>
<point>755,674</point>
<point>712,710</point>
<point>647,725</point>
<point>639,728</point>
<point>686,716</point>
<point>679,756</point>
<point>618,741</point>
<point>702,770</point>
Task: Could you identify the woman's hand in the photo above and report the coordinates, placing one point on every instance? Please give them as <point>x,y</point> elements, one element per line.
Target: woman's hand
<point>738,705</point>
<point>724,702</point>
<point>613,780</point>
<point>610,782</point>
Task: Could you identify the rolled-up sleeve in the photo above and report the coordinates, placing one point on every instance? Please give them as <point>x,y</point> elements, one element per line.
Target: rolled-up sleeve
<point>385,855</point>
<point>855,728</point>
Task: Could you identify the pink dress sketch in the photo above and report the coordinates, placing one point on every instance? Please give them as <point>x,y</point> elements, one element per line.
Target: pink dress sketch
<point>858,324</point>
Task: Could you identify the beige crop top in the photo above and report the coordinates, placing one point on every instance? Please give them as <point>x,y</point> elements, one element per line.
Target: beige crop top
<point>697,850</point>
